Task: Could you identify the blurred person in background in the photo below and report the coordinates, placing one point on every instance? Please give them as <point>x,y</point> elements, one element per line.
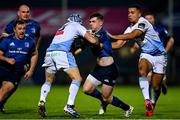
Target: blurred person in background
<point>153,55</point>
<point>59,57</point>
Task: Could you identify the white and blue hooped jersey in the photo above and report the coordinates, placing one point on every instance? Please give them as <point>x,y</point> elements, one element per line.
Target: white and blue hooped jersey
<point>149,42</point>
<point>65,36</point>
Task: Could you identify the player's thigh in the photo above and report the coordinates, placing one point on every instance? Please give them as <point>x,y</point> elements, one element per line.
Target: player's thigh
<point>49,76</point>
<point>144,67</point>
<point>74,73</point>
<point>106,91</point>
<point>157,80</point>
<point>91,83</point>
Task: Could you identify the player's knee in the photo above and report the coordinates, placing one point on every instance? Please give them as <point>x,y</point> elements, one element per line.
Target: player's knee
<point>87,90</point>
<point>106,99</point>
<point>142,73</point>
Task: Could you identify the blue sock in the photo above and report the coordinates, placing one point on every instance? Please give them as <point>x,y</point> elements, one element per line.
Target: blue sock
<point>96,94</point>
<point>118,103</point>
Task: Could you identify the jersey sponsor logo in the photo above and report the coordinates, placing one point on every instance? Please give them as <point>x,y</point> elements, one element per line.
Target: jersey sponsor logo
<point>59,32</point>
<point>12,44</point>
<point>33,30</point>
<point>141,25</point>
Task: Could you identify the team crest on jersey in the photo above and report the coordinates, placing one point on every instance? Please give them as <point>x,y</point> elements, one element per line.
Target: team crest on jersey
<point>26,44</point>
<point>12,44</point>
<point>33,30</point>
<point>141,25</point>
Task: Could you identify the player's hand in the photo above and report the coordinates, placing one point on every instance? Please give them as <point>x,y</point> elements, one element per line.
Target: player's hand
<point>11,61</point>
<point>28,74</point>
<point>4,35</point>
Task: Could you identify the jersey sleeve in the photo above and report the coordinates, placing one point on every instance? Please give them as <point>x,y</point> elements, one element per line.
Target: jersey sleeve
<point>141,25</point>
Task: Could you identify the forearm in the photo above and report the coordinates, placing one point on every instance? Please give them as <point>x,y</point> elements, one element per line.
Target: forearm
<point>34,59</point>
<point>169,45</point>
<point>118,44</point>
<point>38,42</point>
<point>3,58</point>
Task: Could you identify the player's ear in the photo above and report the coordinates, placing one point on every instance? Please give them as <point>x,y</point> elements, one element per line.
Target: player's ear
<point>18,13</point>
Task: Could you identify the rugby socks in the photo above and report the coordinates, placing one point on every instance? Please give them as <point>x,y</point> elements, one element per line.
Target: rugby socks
<point>144,85</point>
<point>118,103</point>
<point>73,90</point>
<point>45,89</point>
<point>97,94</point>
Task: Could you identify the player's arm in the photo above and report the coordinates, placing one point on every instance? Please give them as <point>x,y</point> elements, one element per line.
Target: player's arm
<point>38,41</point>
<point>134,48</point>
<point>88,36</point>
<point>170,44</point>
<point>6,59</point>
<point>38,36</point>
<point>33,63</point>
<point>128,36</point>
<point>118,44</point>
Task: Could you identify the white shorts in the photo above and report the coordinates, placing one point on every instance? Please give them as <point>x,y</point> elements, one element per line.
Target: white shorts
<point>93,80</point>
<point>159,63</point>
<point>56,60</point>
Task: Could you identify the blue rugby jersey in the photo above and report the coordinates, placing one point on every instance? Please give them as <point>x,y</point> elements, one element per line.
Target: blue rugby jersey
<point>32,28</point>
<point>162,33</point>
<point>19,49</point>
<point>106,41</point>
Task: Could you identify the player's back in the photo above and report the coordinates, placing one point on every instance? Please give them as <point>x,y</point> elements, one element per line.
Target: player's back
<point>65,36</point>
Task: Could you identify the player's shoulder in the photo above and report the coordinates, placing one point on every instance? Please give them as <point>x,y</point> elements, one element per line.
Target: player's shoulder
<point>143,20</point>
<point>12,22</point>
<point>34,22</point>
<point>29,39</point>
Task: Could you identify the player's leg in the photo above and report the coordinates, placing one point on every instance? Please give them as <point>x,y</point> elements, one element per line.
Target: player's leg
<point>157,80</point>
<point>2,109</point>
<point>149,77</point>
<point>45,89</point>
<point>114,100</point>
<point>5,89</point>
<point>75,76</point>
<point>159,71</point>
<point>144,67</point>
<point>89,87</point>
<point>164,85</point>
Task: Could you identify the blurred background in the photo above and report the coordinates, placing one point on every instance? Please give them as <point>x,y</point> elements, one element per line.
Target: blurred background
<point>51,14</point>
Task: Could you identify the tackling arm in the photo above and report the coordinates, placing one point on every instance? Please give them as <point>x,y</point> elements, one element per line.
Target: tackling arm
<point>127,36</point>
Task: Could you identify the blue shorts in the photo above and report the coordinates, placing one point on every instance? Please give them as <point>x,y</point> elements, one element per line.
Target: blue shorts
<point>11,73</point>
<point>107,75</point>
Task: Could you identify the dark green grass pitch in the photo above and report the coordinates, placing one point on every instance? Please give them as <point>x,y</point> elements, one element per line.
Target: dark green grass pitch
<point>23,104</point>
